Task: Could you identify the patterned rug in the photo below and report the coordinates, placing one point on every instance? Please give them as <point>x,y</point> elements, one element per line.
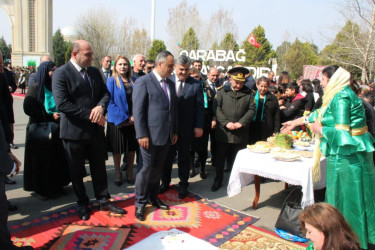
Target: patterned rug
<point>195,215</point>
<point>257,238</point>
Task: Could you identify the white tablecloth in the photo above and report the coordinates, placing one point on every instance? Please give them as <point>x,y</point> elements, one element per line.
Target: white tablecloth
<point>247,164</point>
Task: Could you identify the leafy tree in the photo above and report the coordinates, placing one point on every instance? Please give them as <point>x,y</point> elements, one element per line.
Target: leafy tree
<point>258,56</point>
<point>190,40</point>
<point>228,43</point>
<point>5,48</point>
<point>156,47</point>
<point>68,52</point>
<point>59,46</point>
<point>280,53</point>
<point>299,54</point>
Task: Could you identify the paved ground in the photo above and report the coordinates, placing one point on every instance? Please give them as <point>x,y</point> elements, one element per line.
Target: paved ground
<point>271,199</point>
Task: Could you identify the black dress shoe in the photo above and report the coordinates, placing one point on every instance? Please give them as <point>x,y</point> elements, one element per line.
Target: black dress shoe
<point>193,173</point>
<point>203,175</point>
<point>13,146</point>
<point>163,187</point>
<point>216,186</point>
<point>84,212</point>
<point>182,192</point>
<point>156,202</point>
<point>140,213</point>
<point>12,206</point>
<point>112,208</point>
<point>9,180</point>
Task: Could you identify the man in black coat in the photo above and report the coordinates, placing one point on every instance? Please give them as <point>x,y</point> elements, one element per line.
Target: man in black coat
<point>190,123</point>
<point>9,165</point>
<point>82,97</point>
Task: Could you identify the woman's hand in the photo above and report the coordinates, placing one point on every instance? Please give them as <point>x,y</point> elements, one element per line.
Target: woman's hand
<point>287,126</point>
<point>56,116</point>
<point>316,127</point>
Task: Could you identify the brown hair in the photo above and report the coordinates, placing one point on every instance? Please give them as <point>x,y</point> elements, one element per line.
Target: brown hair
<point>327,219</point>
<point>284,78</point>
<point>128,73</point>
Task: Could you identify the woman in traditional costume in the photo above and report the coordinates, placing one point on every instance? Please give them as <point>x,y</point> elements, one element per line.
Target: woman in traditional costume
<point>343,138</point>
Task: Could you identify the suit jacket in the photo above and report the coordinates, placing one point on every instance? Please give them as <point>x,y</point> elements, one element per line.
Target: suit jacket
<point>6,162</point>
<point>75,98</point>
<point>6,108</point>
<point>10,80</point>
<point>103,76</point>
<point>154,116</point>
<point>118,110</point>
<point>190,107</point>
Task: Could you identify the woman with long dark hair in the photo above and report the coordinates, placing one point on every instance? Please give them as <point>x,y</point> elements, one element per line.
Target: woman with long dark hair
<point>45,169</point>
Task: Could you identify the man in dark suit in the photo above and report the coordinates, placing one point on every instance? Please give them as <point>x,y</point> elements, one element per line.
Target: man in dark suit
<point>9,165</point>
<point>105,70</point>
<point>155,121</point>
<point>82,97</point>
<point>190,123</point>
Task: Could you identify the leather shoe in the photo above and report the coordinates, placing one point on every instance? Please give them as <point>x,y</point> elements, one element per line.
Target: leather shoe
<point>12,146</point>
<point>163,188</point>
<point>9,181</point>
<point>12,206</point>
<point>84,212</point>
<point>156,202</point>
<point>112,208</point>
<point>192,173</point>
<point>182,192</point>
<point>203,175</point>
<point>216,186</point>
<point>140,213</point>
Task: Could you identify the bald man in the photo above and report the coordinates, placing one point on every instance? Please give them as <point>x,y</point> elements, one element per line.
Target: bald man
<point>82,98</point>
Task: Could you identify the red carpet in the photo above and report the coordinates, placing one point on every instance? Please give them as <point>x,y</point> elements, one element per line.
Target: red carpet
<point>194,215</point>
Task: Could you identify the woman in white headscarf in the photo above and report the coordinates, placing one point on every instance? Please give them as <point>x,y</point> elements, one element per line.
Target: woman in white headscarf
<point>343,138</point>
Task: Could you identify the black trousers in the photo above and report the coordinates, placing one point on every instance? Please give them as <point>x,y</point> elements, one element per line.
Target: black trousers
<point>5,242</point>
<point>199,148</point>
<point>213,146</point>
<point>184,162</point>
<point>94,149</point>
<point>147,181</point>
<point>225,152</point>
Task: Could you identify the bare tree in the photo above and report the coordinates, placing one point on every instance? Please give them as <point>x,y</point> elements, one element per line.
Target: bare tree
<point>181,18</point>
<point>221,23</point>
<point>354,46</point>
<point>140,42</point>
<point>125,37</point>
<point>99,30</point>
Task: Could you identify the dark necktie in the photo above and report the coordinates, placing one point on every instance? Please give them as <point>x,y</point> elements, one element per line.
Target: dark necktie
<point>85,77</point>
<point>179,91</point>
<point>164,86</point>
<point>106,73</point>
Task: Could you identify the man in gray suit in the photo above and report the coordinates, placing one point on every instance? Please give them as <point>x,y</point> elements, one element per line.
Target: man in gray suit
<point>154,111</point>
<point>106,71</point>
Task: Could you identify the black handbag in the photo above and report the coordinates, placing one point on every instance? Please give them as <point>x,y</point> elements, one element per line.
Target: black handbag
<point>288,220</point>
<point>43,131</point>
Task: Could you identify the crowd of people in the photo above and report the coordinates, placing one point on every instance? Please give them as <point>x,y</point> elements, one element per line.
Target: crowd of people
<point>162,110</point>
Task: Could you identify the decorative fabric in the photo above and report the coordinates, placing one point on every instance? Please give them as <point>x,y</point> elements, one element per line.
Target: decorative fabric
<point>256,238</point>
<point>194,215</point>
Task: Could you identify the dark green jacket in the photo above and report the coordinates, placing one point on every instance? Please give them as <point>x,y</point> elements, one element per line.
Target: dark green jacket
<point>233,106</point>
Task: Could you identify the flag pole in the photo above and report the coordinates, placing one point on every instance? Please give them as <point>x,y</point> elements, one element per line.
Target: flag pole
<point>152,20</point>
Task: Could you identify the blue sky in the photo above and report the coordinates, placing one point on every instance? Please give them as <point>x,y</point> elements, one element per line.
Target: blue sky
<point>310,20</point>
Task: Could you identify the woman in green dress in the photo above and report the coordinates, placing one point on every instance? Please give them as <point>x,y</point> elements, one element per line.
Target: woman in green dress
<point>343,138</point>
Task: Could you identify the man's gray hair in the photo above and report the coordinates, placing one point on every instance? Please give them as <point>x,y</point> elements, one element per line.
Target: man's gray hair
<point>183,60</point>
<point>138,55</point>
<point>162,56</point>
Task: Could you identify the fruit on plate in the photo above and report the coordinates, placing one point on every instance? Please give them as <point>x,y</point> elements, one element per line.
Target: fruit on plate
<point>299,135</point>
<point>283,141</point>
